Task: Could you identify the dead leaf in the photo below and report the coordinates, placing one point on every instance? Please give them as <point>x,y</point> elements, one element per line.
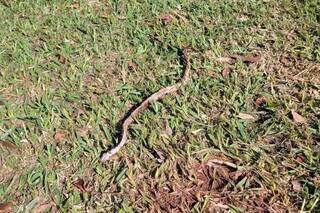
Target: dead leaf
<point>84,131</point>
<point>248,58</point>
<point>18,123</point>
<point>122,17</point>
<point>296,186</point>
<point>6,208</point>
<point>225,72</point>
<point>132,65</point>
<point>41,207</point>
<point>235,175</point>
<point>9,146</point>
<point>80,184</point>
<point>297,118</point>
<point>168,130</point>
<point>75,5</point>
<point>160,156</point>
<point>242,18</point>
<point>105,14</point>
<point>301,159</point>
<point>260,101</point>
<point>166,19</point>
<point>94,3</point>
<point>61,59</point>
<point>94,97</point>
<point>285,61</point>
<point>59,136</point>
<point>225,60</point>
<point>245,116</point>
<point>316,181</point>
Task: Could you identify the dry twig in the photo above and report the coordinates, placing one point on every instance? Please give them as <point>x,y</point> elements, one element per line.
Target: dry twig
<point>154,97</point>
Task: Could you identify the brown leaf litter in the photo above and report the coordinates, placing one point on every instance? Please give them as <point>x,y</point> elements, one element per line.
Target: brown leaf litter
<point>247,58</point>
<point>9,146</point>
<point>167,18</point>
<point>61,59</point>
<point>226,71</point>
<point>59,136</point>
<point>293,67</point>
<point>260,101</point>
<point>297,118</point>
<point>232,58</point>
<point>80,185</point>
<point>245,116</point>
<point>6,208</point>
<point>212,182</point>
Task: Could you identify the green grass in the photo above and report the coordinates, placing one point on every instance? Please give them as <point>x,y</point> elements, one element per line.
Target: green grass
<point>70,72</point>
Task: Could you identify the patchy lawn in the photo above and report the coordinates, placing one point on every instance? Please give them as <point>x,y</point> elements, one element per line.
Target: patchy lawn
<point>242,136</point>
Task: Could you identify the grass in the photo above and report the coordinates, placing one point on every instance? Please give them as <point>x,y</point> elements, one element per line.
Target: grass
<point>70,71</point>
